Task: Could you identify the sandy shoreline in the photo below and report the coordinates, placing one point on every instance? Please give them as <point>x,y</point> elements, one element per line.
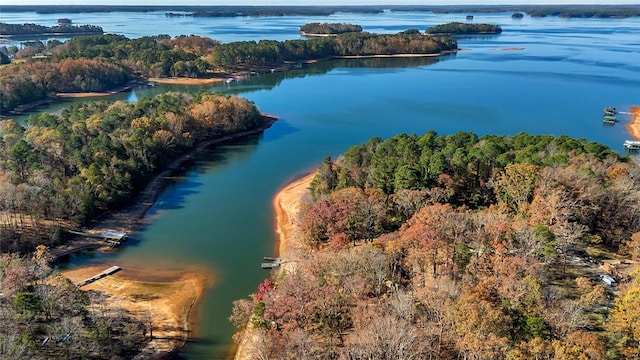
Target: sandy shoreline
<point>395,55</point>
<point>286,204</point>
<point>287,207</point>
<point>186,81</point>
<point>634,125</point>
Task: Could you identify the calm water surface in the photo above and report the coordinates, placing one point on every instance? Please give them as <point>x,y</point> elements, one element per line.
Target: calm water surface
<point>219,214</point>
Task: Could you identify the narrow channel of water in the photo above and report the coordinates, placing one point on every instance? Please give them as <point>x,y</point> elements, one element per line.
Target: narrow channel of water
<point>552,76</point>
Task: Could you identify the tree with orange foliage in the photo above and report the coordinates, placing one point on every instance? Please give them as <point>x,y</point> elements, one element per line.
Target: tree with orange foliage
<point>579,345</point>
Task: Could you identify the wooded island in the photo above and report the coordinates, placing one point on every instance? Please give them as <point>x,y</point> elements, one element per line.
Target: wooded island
<point>328,28</point>
<point>33,29</point>
<point>458,28</point>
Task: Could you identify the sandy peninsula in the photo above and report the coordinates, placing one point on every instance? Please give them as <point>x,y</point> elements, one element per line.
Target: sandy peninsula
<point>166,298</point>
<point>287,203</point>
<point>634,125</point>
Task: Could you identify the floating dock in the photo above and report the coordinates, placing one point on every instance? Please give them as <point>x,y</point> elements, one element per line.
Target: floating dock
<point>272,263</point>
<point>632,145</point>
<point>109,271</point>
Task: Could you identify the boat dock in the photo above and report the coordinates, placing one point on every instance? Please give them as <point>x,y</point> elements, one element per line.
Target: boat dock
<point>272,263</point>
<point>609,115</point>
<point>109,271</point>
<point>112,237</point>
<point>632,145</point>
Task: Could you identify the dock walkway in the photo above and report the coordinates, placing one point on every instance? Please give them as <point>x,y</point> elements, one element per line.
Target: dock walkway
<point>109,271</point>
<point>272,263</point>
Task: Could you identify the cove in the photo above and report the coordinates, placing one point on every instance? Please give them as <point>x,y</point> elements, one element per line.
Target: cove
<point>218,212</point>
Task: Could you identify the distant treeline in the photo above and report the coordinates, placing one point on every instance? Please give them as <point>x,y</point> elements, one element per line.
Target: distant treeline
<point>329,28</point>
<point>458,28</point>
<point>116,59</point>
<point>34,29</point>
<point>583,11</point>
<point>95,156</point>
<point>32,81</point>
<point>150,56</point>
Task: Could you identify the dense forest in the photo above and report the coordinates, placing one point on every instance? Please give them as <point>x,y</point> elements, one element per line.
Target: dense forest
<point>329,28</point>
<point>458,28</point>
<point>45,316</point>
<point>64,169</point>
<point>266,53</point>
<point>459,247</point>
<point>33,29</point>
<point>149,56</point>
<point>31,81</point>
<point>104,62</point>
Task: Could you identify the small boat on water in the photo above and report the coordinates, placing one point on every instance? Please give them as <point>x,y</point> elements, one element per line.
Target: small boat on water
<point>610,111</point>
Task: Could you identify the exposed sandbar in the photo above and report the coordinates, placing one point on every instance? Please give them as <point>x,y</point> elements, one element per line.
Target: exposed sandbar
<point>165,297</point>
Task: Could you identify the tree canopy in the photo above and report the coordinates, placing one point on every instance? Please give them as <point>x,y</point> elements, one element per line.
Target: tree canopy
<point>34,29</point>
<point>458,246</point>
<point>329,28</point>
<point>459,28</point>
<point>96,156</point>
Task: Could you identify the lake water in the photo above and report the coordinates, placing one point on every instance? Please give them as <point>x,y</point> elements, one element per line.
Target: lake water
<point>219,214</point>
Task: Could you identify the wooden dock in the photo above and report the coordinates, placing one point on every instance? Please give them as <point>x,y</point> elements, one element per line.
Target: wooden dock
<point>272,263</point>
<point>109,271</point>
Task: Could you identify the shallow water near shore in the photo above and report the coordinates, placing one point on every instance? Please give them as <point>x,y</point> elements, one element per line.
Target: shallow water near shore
<point>218,212</point>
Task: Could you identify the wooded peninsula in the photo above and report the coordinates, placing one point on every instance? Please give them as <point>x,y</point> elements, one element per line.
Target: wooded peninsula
<point>455,246</point>
<point>104,62</point>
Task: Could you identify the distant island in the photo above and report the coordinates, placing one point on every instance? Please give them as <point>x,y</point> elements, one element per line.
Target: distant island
<point>34,29</point>
<point>324,29</point>
<point>458,28</point>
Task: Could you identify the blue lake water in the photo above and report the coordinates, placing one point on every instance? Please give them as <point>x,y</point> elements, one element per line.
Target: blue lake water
<point>557,81</point>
